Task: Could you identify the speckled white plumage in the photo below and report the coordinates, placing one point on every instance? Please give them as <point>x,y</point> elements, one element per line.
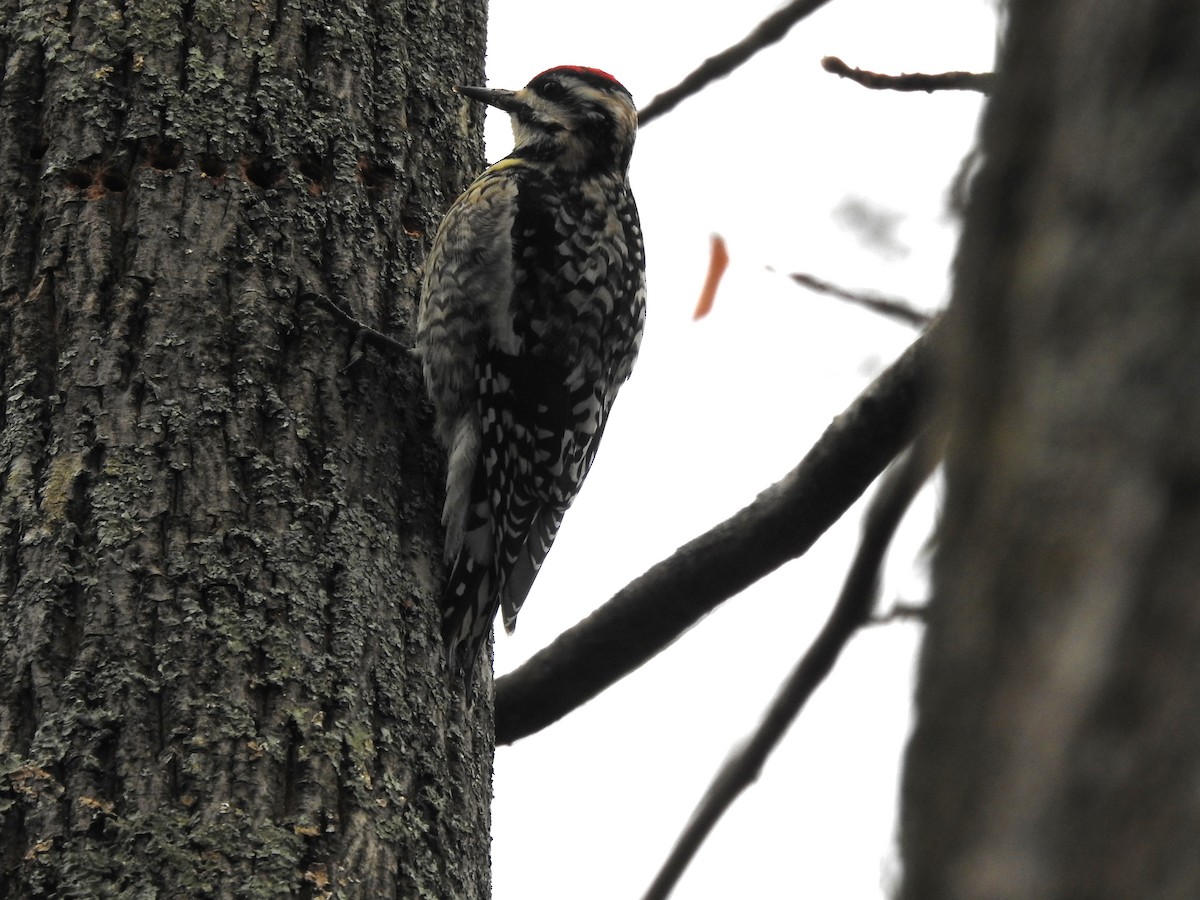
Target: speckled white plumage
<point>532,309</point>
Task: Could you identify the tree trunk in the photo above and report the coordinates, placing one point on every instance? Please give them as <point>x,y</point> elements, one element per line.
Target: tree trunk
<point>1057,746</point>
<point>220,673</point>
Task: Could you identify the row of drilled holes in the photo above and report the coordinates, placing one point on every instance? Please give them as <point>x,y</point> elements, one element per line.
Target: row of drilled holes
<point>262,172</point>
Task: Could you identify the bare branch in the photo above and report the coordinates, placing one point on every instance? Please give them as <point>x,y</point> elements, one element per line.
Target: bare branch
<point>901,612</point>
<point>849,614</point>
<point>769,31</point>
<point>785,520</point>
<point>362,332</point>
<point>982,82</point>
<point>886,306</point>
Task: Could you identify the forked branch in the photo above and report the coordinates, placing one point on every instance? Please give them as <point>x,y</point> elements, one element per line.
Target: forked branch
<point>850,613</point>
<point>785,520</point>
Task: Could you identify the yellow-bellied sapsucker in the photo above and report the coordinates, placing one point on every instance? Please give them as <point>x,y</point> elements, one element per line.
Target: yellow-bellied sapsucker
<point>531,314</point>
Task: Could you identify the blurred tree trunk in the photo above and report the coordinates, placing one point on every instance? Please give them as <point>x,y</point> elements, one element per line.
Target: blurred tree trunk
<point>220,674</point>
<point>1057,747</point>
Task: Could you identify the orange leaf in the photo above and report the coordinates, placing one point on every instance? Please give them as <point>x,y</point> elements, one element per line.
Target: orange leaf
<point>718,262</point>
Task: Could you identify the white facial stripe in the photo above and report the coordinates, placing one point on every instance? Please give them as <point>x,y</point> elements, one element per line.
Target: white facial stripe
<point>624,115</point>
<point>558,125</point>
<point>619,109</point>
<point>587,92</point>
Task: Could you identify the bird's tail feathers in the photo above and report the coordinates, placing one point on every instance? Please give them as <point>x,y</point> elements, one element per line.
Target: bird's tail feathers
<point>468,607</point>
<point>526,564</point>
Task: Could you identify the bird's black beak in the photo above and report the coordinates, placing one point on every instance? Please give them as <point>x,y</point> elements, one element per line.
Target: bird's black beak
<point>505,100</point>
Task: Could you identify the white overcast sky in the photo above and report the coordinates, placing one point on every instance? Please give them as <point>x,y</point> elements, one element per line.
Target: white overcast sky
<point>718,410</point>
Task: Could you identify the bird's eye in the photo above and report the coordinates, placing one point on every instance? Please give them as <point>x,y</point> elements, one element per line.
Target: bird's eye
<point>553,90</point>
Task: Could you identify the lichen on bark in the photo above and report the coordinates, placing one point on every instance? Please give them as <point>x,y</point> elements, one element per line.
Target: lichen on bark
<point>219,665</point>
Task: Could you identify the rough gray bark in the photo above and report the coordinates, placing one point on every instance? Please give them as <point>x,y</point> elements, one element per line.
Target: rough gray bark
<point>219,667</point>
<point>1057,746</point>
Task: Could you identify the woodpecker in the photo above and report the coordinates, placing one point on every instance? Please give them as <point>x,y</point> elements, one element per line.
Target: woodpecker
<point>532,307</point>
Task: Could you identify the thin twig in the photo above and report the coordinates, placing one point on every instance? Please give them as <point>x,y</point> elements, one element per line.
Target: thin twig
<point>362,332</point>
<point>901,612</point>
<point>893,308</point>
<point>983,82</point>
<point>769,31</point>
<point>849,614</point>
<point>785,520</point>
